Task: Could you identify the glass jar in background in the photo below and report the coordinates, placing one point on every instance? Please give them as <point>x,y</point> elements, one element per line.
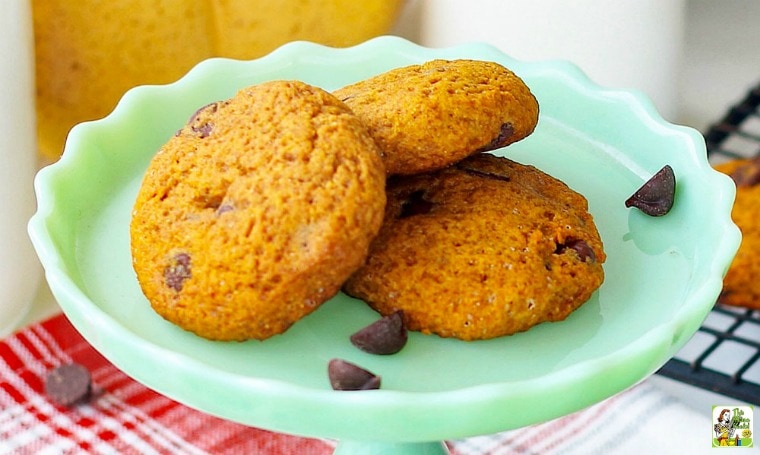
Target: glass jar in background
<point>634,44</point>
<point>19,268</point>
<point>89,52</point>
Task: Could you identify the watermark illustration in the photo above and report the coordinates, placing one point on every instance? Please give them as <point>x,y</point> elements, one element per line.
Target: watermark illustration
<point>732,426</point>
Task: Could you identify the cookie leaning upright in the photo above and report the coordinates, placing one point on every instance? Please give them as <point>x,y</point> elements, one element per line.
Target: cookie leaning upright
<point>483,248</point>
<point>256,211</point>
<point>425,117</point>
<point>741,286</point>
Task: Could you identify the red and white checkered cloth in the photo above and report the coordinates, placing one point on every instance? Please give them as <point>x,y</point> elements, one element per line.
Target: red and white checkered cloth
<point>125,417</point>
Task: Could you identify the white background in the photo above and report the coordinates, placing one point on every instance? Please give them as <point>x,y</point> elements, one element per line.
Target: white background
<point>719,59</point>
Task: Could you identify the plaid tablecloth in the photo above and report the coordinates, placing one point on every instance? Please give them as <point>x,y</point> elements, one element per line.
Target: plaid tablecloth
<point>125,417</point>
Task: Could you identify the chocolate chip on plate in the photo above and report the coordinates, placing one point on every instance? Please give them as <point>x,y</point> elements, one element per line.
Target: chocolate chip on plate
<point>385,336</point>
<point>345,375</point>
<point>68,384</point>
<point>656,196</point>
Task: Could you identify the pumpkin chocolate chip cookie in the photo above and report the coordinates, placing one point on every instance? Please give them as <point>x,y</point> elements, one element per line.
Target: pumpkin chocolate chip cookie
<point>425,117</point>
<point>256,211</point>
<point>483,248</point>
<point>741,286</point>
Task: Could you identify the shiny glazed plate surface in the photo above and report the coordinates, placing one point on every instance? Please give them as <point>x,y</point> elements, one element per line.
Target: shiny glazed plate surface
<point>662,274</point>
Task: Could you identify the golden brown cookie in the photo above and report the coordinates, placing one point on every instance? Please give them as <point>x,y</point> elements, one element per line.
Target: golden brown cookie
<point>425,117</point>
<point>484,248</point>
<point>741,286</point>
<point>257,211</point>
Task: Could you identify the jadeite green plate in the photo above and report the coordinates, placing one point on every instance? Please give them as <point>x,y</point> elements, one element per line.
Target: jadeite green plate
<point>662,274</point>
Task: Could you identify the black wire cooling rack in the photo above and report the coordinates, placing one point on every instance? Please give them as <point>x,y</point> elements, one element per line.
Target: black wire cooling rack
<point>724,354</point>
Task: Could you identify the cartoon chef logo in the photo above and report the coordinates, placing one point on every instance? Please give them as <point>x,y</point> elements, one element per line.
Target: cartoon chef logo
<point>732,426</point>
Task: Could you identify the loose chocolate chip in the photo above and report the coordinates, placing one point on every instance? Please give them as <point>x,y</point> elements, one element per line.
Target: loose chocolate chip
<point>415,204</point>
<point>581,248</point>
<point>345,375</point>
<point>178,271</point>
<point>385,336</point>
<point>656,196</point>
<point>748,174</point>
<point>505,134</point>
<point>68,384</point>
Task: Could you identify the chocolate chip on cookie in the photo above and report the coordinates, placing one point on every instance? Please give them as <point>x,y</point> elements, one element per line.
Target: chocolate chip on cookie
<point>747,174</point>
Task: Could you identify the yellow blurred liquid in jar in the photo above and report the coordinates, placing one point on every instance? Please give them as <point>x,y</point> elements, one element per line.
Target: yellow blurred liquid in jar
<point>89,52</point>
